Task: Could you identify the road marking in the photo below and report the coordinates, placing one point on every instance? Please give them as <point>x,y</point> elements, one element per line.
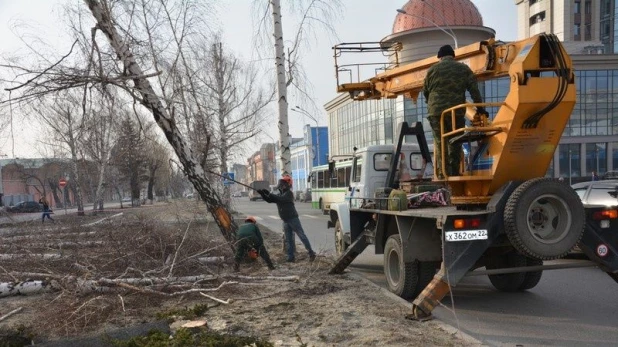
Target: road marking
<point>309,216</point>
<point>273,217</point>
<point>258,218</point>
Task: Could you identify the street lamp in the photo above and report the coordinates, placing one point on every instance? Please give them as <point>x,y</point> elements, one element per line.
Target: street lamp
<point>451,33</point>
<point>317,129</point>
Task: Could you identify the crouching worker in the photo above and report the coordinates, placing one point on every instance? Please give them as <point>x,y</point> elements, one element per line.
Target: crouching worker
<point>249,237</point>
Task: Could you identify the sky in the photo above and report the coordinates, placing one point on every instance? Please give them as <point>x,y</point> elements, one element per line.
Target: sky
<point>361,20</point>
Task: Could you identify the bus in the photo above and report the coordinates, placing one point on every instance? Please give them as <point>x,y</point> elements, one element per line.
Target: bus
<point>329,187</point>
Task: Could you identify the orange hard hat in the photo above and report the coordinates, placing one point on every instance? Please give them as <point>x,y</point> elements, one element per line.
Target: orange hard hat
<point>253,254</point>
<point>250,219</point>
<point>287,179</point>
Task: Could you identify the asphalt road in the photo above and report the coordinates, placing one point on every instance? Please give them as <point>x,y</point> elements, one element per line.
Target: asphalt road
<point>573,307</point>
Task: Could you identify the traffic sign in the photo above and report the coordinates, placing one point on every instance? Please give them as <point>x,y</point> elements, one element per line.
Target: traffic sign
<point>228,178</point>
<point>62,183</point>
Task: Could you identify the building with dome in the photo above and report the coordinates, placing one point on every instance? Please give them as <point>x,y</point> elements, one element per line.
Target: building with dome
<point>589,143</point>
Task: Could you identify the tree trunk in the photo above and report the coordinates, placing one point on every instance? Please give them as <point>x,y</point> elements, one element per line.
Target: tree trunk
<point>153,103</point>
<point>151,183</point>
<point>24,288</point>
<point>284,128</point>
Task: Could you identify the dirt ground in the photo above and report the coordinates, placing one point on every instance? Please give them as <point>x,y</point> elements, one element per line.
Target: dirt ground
<point>166,240</point>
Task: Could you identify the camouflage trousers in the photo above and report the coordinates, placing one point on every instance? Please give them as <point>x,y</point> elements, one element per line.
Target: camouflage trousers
<point>453,152</point>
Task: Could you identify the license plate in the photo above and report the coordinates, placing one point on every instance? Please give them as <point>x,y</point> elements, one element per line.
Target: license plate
<point>466,235</point>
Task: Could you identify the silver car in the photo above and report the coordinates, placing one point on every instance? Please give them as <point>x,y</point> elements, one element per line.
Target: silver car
<point>597,193</point>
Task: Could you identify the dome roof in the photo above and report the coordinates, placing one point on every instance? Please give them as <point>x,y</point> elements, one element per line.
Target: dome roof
<point>421,14</point>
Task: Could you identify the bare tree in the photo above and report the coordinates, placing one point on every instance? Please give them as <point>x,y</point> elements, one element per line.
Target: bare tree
<point>97,143</point>
<point>65,116</point>
<point>312,12</point>
<point>144,92</point>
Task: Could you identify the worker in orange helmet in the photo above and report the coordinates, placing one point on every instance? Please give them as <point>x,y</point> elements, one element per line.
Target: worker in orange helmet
<point>289,216</point>
<point>250,238</point>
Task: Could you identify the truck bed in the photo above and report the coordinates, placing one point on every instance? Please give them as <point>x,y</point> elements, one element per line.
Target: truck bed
<point>437,213</point>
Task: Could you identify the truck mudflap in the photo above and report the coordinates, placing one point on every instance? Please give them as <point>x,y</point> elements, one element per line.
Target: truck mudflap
<point>600,239</point>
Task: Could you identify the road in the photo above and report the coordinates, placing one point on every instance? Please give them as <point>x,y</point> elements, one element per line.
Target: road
<point>574,307</point>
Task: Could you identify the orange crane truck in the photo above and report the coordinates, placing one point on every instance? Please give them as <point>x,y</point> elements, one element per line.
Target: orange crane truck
<point>502,213</point>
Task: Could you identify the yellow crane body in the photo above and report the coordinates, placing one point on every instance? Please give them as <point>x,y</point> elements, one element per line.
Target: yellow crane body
<point>519,142</point>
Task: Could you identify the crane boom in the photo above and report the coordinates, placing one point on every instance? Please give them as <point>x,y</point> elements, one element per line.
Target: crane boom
<point>528,124</point>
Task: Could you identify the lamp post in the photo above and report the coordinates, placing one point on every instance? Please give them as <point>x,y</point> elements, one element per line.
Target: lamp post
<point>451,33</point>
<point>317,129</point>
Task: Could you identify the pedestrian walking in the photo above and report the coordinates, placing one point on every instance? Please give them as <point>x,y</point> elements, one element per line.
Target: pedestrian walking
<point>250,238</point>
<point>46,210</point>
<point>289,216</point>
<point>445,86</point>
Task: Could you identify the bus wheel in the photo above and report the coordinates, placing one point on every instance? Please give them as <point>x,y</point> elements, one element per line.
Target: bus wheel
<point>340,244</point>
<point>401,277</point>
<point>544,219</point>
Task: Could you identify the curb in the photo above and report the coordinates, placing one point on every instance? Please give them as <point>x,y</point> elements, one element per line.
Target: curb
<point>446,327</point>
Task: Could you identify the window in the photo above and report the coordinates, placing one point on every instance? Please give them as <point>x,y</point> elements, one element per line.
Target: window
<point>577,7</point>
<point>381,161</point>
<point>358,168</point>
<point>588,7</point>
<point>576,30</point>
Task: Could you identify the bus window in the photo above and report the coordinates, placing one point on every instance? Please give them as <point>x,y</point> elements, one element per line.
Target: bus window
<point>347,177</point>
<point>321,179</point>
<point>341,180</point>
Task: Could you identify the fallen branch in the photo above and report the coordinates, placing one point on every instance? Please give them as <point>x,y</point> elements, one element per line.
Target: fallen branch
<point>268,278</point>
<point>211,260</point>
<point>226,302</point>
<point>44,256</point>
<point>17,310</point>
<point>102,220</point>
<point>24,288</point>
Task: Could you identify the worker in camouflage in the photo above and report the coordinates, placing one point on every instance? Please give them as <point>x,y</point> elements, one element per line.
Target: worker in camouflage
<point>445,86</point>
<point>249,237</point>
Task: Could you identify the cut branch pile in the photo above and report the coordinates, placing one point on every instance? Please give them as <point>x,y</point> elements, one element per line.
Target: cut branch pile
<point>98,267</point>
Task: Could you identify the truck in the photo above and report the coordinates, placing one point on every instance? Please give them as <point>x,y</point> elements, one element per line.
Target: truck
<point>501,213</point>
<point>257,185</point>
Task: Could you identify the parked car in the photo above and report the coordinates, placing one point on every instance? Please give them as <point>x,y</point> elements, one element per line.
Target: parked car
<point>306,196</point>
<point>25,206</point>
<point>597,193</point>
<point>126,199</point>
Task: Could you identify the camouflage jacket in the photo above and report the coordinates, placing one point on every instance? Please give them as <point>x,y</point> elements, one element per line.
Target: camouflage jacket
<point>446,84</point>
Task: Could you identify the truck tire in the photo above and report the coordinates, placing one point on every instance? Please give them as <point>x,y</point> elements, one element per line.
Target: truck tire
<point>340,244</point>
<point>507,282</point>
<point>544,219</point>
<point>532,278</point>
<point>401,277</point>
<point>426,272</point>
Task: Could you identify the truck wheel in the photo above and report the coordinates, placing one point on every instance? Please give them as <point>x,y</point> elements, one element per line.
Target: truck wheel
<point>507,282</point>
<point>426,272</point>
<point>401,277</point>
<point>340,244</point>
<point>532,278</point>
<point>544,219</point>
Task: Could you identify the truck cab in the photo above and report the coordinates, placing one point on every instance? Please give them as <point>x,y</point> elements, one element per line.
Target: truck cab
<point>370,169</point>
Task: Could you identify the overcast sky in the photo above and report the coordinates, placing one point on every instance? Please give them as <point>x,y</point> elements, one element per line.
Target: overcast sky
<point>362,20</point>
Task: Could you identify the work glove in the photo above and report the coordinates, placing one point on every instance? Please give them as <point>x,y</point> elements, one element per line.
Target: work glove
<point>481,117</point>
<point>263,192</point>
